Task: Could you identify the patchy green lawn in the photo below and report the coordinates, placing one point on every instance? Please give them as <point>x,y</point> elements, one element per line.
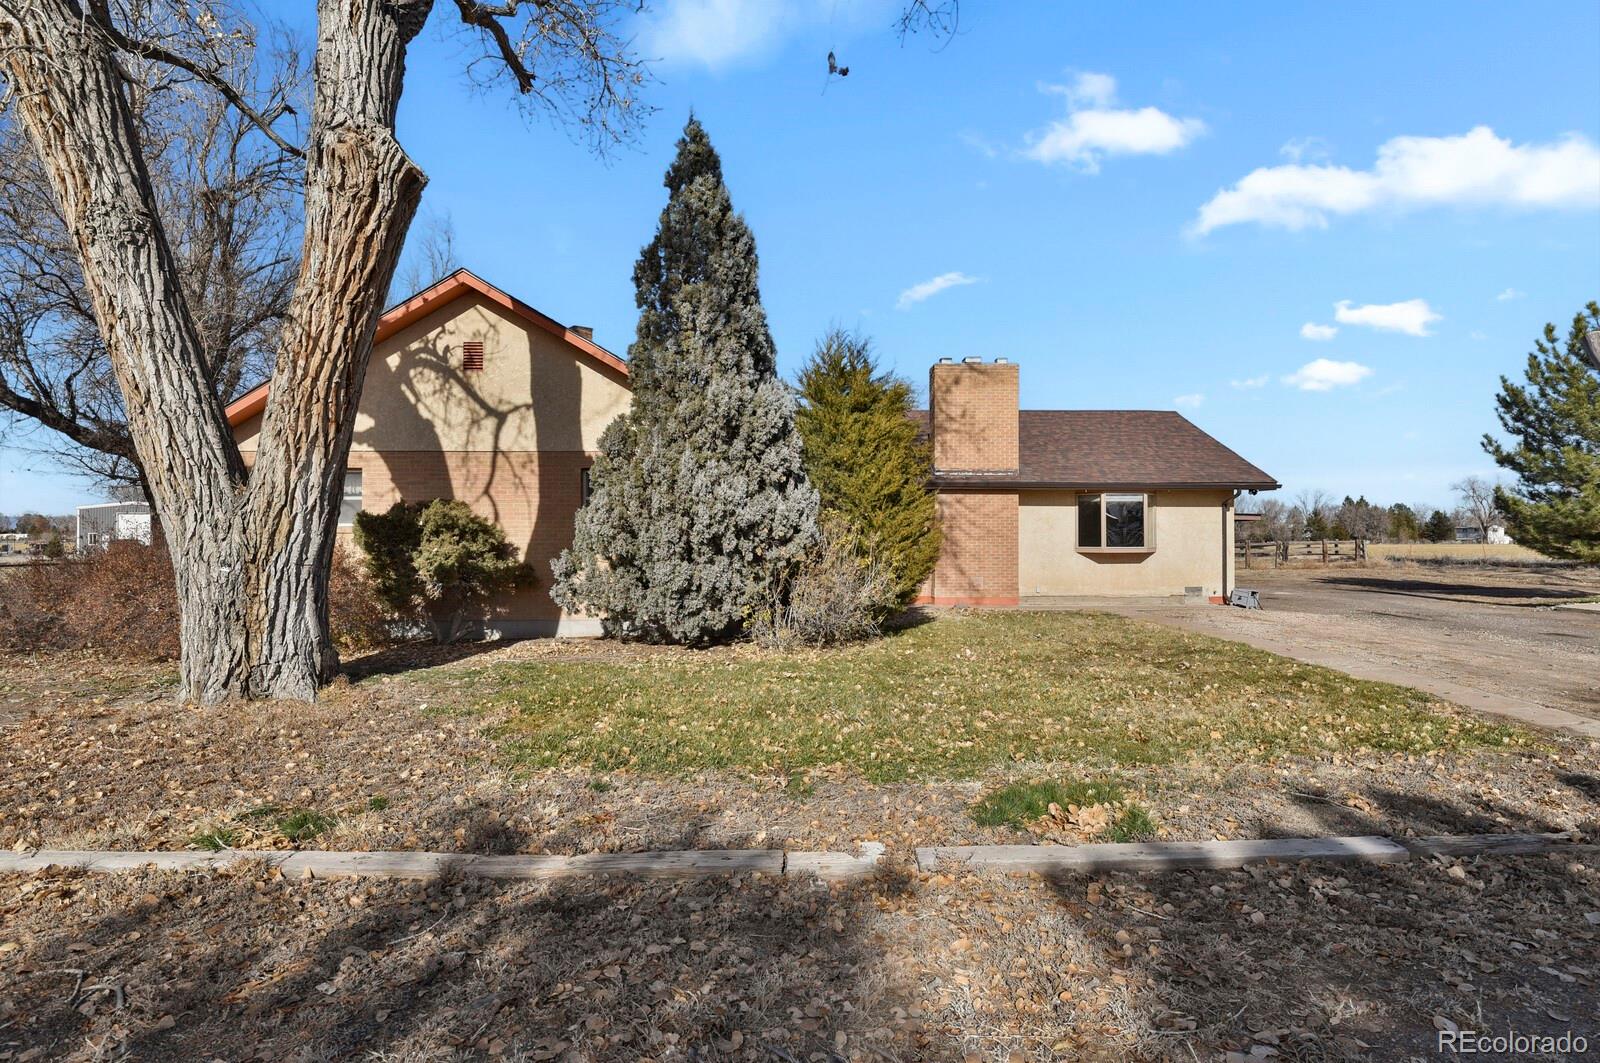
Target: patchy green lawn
<point>952,699</point>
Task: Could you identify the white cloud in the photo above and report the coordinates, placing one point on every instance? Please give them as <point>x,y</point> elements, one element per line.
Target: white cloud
<point>1474,169</point>
<point>1509,294</point>
<point>1251,382</point>
<point>979,143</point>
<point>1312,331</point>
<point>1325,375</point>
<point>929,288</point>
<point>717,34</point>
<point>1190,401</point>
<point>714,33</point>
<point>1095,128</point>
<point>1411,317</point>
<point>1087,90</point>
<point>1305,149</point>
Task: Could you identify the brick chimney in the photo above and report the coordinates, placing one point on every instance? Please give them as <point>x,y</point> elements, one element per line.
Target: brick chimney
<point>972,415</point>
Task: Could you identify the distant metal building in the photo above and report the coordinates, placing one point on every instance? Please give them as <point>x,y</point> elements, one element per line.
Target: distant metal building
<point>110,521</point>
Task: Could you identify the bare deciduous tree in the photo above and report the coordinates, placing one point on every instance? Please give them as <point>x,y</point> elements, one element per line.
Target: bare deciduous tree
<point>430,255</point>
<point>252,551</point>
<point>229,201</point>
<point>1477,503</point>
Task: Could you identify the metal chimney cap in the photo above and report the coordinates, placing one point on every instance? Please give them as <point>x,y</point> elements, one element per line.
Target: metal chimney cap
<point>1001,361</point>
<point>947,361</point>
<point>972,359</point>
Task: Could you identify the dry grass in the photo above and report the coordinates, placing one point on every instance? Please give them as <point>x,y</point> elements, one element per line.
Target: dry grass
<point>1452,551</point>
<point>955,698</point>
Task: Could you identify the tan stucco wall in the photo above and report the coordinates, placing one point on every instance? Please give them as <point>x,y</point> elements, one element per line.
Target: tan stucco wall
<point>510,439</point>
<point>534,393</point>
<point>1189,527</point>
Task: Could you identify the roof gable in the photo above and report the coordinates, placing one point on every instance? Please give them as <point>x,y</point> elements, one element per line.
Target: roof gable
<point>442,293</point>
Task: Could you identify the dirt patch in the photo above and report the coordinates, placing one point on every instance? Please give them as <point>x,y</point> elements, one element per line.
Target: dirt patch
<point>1455,631</point>
<point>1320,964</point>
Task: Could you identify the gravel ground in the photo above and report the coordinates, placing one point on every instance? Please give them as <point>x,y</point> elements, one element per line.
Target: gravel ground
<point>1454,629</point>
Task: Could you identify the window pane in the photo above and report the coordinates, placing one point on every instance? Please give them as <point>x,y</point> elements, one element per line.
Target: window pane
<point>584,488</point>
<point>1088,521</point>
<point>352,497</point>
<point>1125,520</point>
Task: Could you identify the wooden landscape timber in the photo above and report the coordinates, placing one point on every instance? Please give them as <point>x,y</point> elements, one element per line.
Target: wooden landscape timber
<point>1179,856</point>
<point>695,863</point>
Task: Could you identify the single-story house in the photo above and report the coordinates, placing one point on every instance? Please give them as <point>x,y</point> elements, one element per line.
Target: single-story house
<point>473,394</point>
<point>1060,503</point>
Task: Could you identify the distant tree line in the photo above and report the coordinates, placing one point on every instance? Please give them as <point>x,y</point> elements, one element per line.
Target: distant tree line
<point>36,524</point>
<point>1314,514</point>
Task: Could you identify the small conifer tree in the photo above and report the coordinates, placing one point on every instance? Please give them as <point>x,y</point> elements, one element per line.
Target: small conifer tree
<point>865,457</point>
<point>699,504</point>
<point>1554,421</point>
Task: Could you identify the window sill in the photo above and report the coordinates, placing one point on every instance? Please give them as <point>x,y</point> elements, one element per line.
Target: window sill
<point>1116,549</point>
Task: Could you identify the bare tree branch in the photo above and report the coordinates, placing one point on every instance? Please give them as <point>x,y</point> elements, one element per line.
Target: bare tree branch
<point>567,57</point>
<point>100,16</point>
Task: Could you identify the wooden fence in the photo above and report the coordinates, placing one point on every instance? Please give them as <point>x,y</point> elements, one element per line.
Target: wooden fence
<point>1271,553</point>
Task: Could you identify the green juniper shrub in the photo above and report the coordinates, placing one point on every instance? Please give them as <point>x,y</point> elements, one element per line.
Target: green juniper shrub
<point>438,562</point>
<point>868,462</point>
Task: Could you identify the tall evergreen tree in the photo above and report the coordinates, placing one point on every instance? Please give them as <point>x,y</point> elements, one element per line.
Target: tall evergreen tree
<point>1554,421</point>
<point>863,453</point>
<point>699,504</point>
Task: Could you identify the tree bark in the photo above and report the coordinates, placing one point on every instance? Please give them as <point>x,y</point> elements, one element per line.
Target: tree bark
<point>362,192</point>
<point>250,550</point>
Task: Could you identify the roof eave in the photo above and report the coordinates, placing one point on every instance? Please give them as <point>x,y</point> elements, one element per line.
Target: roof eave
<point>997,484</point>
<point>425,302</point>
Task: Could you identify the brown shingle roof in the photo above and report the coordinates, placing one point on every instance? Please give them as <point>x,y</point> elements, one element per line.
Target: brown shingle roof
<point>1118,448</point>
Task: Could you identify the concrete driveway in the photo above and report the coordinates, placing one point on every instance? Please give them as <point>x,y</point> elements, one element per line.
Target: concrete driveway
<point>1487,638</point>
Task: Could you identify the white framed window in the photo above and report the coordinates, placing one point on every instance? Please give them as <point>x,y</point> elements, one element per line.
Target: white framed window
<point>351,504</point>
<point>1115,522</point>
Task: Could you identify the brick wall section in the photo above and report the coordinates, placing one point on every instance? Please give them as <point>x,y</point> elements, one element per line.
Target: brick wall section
<point>978,563</point>
<point>973,416</point>
<point>532,495</point>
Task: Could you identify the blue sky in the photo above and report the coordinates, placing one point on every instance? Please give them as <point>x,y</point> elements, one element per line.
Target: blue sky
<point>1321,231</point>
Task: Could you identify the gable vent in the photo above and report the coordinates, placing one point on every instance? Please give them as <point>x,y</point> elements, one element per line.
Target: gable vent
<point>472,355</point>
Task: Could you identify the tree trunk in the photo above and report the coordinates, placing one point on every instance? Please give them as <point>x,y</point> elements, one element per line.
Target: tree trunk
<point>251,552</point>
<point>361,194</point>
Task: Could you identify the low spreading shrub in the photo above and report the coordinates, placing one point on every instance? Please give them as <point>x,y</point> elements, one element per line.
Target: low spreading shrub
<point>439,563</point>
<point>837,594</point>
<point>357,616</point>
<point>121,600</point>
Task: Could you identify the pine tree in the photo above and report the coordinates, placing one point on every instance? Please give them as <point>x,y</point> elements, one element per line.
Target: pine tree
<point>863,454</point>
<point>1440,528</point>
<point>699,504</point>
<point>1554,419</point>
